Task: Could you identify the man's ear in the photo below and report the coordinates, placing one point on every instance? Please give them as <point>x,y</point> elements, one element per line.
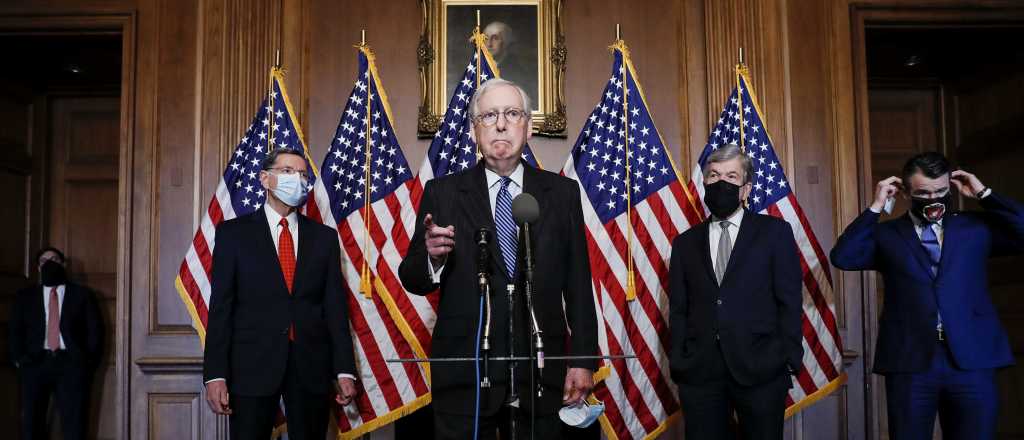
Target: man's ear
<point>472,131</point>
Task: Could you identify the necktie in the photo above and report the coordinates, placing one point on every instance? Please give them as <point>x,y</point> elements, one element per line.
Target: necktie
<point>53,322</point>
<point>286,255</point>
<point>931,245</point>
<point>724,250</point>
<point>508,233</point>
<point>930,241</point>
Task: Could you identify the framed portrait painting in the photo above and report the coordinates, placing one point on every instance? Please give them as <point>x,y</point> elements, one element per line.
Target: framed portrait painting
<point>525,40</point>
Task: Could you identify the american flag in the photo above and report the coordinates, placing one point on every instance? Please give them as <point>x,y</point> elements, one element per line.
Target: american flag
<point>238,193</point>
<point>365,168</point>
<point>630,217</point>
<point>742,123</point>
<point>451,150</point>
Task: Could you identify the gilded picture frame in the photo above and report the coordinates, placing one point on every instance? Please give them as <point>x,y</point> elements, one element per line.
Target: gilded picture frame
<point>528,45</point>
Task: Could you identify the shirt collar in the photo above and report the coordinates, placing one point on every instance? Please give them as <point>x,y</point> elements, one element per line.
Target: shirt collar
<point>273,218</point>
<point>516,176</point>
<point>733,219</point>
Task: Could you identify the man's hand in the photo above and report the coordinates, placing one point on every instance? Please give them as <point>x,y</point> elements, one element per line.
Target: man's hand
<point>884,190</point>
<point>346,391</point>
<point>967,183</point>
<point>440,241</point>
<point>217,397</point>
<point>578,383</point>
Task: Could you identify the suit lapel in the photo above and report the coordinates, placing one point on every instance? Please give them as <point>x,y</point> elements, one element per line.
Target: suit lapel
<point>952,229</point>
<point>749,227</point>
<point>536,185</point>
<point>476,206</point>
<point>705,249</point>
<point>305,247</point>
<point>265,249</point>
<point>905,227</point>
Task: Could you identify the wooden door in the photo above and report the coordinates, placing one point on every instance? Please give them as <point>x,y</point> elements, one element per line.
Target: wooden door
<point>82,219</point>
<point>21,221</point>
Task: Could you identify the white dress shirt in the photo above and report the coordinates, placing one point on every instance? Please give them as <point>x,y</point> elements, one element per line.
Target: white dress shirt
<point>515,188</point>
<point>715,234</point>
<point>46,312</point>
<point>274,221</point>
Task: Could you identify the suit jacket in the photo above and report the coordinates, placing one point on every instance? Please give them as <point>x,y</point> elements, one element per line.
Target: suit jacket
<point>562,273</point>
<point>754,315</point>
<point>80,326</point>
<point>913,297</point>
<point>251,309</point>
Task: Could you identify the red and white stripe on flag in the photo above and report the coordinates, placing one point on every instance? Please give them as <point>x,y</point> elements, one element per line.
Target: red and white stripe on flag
<point>368,189</point>
<point>639,395</point>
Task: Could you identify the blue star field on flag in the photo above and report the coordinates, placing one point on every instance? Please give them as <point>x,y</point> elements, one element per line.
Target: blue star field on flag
<point>600,151</point>
<point>272,127</point>
<point>344,168</point>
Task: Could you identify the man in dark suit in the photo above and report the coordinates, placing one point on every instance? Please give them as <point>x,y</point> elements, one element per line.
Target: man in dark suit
<point>734,290</point>
<point>446,257</point>
<point>939,339</point>
<point>56,338</point>
<point>278,324</point>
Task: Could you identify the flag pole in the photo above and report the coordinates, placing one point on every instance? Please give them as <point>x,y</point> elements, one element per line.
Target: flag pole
<point>739,101</point>
<point>476,44</point>
<point>270,100</point>
<point>364,278</point>
<point>630,275</point>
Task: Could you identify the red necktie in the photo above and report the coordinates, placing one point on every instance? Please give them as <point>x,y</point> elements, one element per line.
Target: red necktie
<point>53,322</point>
<point>286,255</point>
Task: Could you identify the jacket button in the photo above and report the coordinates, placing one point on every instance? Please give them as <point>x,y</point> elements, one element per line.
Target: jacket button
<point>719,302</point>
<point>285,331</point>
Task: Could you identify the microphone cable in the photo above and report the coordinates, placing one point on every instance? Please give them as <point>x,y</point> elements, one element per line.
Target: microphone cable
<point>476,409</point>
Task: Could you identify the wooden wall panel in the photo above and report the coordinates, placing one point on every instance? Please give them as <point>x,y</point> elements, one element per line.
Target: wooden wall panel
<point>174,416</point>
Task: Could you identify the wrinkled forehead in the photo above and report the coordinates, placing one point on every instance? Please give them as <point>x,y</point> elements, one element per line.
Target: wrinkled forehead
<point>726,167</point>
<point>292,161</point>
<point>920,182</point>
<point>50,255</point>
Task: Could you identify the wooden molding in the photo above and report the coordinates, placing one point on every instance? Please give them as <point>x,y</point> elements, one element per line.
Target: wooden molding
<point>170,365</point>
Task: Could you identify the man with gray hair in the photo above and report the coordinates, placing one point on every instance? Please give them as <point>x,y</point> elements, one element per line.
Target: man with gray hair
<point>444,254</point>
<point>734,289</point>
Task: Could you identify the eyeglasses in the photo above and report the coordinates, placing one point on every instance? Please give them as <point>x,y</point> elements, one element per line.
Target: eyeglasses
<point>290,171</point>
<point>512,116</point>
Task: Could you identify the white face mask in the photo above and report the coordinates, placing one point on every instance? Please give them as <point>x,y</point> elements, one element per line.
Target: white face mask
<point>582,414</point>
<point>290,189</point>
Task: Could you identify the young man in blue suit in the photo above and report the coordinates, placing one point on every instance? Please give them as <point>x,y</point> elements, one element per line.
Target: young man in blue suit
<point>734,291</point>
<point>939,339</point>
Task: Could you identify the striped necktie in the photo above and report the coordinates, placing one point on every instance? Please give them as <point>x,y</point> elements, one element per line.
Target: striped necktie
<point>508,232</point>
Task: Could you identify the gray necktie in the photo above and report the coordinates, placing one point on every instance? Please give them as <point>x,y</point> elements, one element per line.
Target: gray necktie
<point>724,249</point>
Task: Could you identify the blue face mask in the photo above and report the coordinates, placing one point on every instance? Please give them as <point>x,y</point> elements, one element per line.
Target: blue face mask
<point>290,189</point>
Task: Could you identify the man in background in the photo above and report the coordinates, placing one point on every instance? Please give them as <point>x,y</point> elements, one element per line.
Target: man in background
<point>55,340</point>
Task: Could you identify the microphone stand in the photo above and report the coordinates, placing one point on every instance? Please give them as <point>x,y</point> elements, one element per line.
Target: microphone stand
<point>538,342</point>
<point>513,395</point>
<point>484,286</point>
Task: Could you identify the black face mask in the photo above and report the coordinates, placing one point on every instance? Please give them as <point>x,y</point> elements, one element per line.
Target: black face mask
<point>930,210</point>
<point>722,198</point>
<point>52,274</point>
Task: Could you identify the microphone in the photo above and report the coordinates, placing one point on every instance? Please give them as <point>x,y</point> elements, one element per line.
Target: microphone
<point>482,237</point>
<point>525,211</point>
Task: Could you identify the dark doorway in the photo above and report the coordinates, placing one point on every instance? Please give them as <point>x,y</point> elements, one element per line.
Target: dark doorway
<point>959,90</point>
<point>60,100</point>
